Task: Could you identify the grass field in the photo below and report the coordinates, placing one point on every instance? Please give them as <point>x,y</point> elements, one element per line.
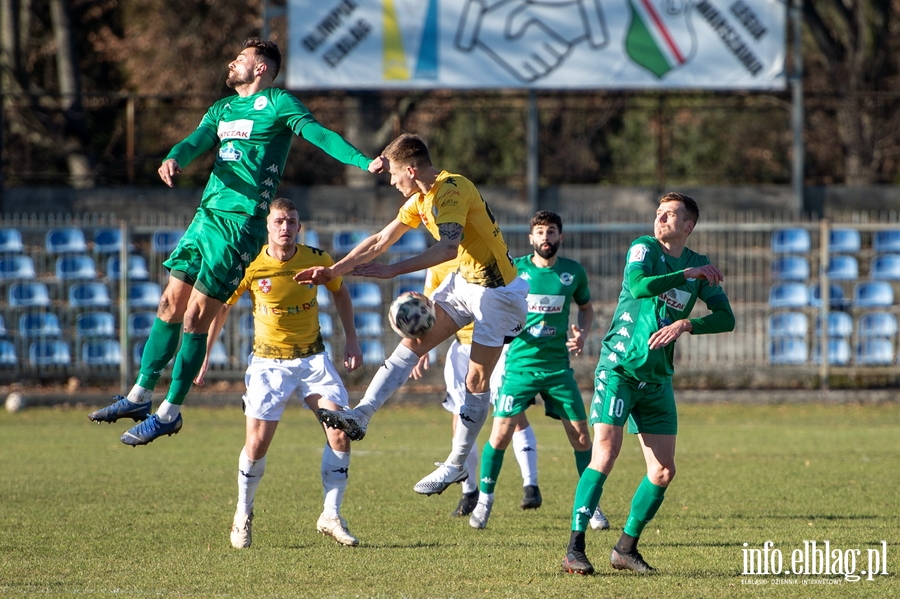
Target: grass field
<point>83,515</point>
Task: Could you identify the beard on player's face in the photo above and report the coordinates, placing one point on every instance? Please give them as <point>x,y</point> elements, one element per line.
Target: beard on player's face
<point>546,250</point>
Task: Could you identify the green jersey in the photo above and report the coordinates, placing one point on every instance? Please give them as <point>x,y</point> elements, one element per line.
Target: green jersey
<point>254,136</point>
<point>656,294</point>
<point>542,345</point>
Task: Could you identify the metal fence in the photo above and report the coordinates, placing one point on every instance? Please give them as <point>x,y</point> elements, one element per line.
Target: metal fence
<point>69,309</point>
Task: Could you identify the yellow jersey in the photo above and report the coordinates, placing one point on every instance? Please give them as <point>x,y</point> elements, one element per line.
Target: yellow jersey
<point>285,314</point>
<point>483,256</point>
<point>434,276</point>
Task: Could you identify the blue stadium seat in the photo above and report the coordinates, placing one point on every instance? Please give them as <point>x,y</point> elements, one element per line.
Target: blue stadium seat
<point>29,294</point>
<point>843,268</point>
<point>838,352</point>
<point>108,241</point>
<point>101,352</point>
<point>49,352</point>
<point>8,355</point>
<point>89,294</point>
<point>886,241</point>
<point>790,268</point>
<point>365,294</point>
<point>368,324</point>
<point>885,267</point>
<point>244,302</point>
<point>414,277</point>
<point>63,241</point>
<point>17,267</point>
<point>140,323</point>
<point>10,241</point>
<point>39,324</point>
<point>788,350</point>
<point>876,324</point>
<point>137,352</point>
<point>323,296</point>
<point>788,324</point>
<point>95,324</point>
<point>326,325</point>
<point>412,242</point>
<point>788,295</point>
<point>795,241</point>
<point>844,241</point>
<point>873,294</point>
<point>2,326</point>
<point>245,325</point>
<point>840,325</point>
<point>144,295</point>
<point>344,241</point>
<point>163,242</point>
<point>76,267</point>
<point>137,268</point>
<point>404,286</point>
<point>218,356</point>
<point>874,351</point>
<point>372,350</point>
<point>309,237</point>
<point>836,297</point>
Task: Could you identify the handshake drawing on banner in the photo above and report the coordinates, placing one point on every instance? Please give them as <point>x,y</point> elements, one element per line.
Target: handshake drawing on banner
<point>530,38</point>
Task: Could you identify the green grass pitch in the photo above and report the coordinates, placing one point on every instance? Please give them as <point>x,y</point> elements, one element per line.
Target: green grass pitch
<point>83,515</point>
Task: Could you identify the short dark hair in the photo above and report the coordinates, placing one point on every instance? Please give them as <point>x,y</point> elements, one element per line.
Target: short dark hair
<point>266,49</point>
<point>283,204</point>
<point>545,217</point>
<point>408,149</point>
<point>690,206</point>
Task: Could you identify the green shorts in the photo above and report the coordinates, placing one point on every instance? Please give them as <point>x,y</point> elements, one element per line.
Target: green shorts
<point>648,407</point>
<point>558,389</point>
<point>216,250</point>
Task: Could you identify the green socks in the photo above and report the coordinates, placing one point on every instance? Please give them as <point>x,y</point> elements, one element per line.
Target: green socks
<point>491,463</point>
<point>187,365</point>
<point>158,351</point>
<point>582,459</point>
<point>644,506</point>
<point>587,496</point>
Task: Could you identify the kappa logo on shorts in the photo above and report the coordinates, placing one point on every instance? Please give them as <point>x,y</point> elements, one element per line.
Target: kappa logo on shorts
<point>265,285</point>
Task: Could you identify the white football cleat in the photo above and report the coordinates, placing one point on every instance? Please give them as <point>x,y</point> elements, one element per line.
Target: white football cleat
<point>242,531</point>
<point>480,514</point>
<point>336,528</point>
<point>438,481</point>
<point>598,520</point>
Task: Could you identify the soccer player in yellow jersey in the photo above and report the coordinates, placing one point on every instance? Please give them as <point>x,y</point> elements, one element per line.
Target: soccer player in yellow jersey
<point>289,355</point>
<point>485,289</point>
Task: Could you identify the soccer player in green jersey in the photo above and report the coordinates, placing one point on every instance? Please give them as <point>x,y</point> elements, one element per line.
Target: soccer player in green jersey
<point>663,280</point>
<point>537,361</point>
<point>252,131</point>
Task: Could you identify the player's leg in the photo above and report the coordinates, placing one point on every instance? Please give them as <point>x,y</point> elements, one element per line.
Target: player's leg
<point>158,352</point>
<point>456,364</point>
<point>524,444</point>
<point>491,463</point>
<point>392,374</point>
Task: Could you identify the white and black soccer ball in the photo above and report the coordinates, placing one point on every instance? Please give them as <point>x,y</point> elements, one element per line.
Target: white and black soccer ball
<point>411,315</point>
<point>15,401</point>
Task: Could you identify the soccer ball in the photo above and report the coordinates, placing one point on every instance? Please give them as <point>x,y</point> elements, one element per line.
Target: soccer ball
<point>14,402</point>
<point>411,315</point>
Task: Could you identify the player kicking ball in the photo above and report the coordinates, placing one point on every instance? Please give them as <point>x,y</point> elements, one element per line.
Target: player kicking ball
<point>485,290</point>
<point>289,358</point>
<point>633,381</point>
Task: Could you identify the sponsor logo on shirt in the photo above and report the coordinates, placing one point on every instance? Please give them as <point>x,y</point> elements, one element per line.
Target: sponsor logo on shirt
<point>239,129</point>
<point>542,330</point>
<point>545,304</point>
<point>229,153</point>
<point>676,299</point>
<point>566,278</point>
<point>265,285</point>
<point>260,103</point>
<point>637,253</point>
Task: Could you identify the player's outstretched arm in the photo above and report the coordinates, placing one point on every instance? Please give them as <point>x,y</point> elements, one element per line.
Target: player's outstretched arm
<point>167,171</point>
<point>215,328</point>
<point>352,352</point>
<point>709,272</point>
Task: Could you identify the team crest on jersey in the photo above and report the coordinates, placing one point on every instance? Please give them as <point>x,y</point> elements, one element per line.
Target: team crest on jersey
<point>229,153</point>
<point>265,285</point>
<point>676,299</point>
<point>566,278</point>
<point>260,103</point>
<point>239,129</point>
<point>637,253</point>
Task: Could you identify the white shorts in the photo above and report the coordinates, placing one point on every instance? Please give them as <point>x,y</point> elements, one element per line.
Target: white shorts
<point>456,367</point>
<point>499,313</point>
<point>271,384</point>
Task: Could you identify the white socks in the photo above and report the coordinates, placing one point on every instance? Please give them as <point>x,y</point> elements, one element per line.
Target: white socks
<point>139,394</point>
<point>471,483</point>
<point>335,469</point>
<point>393,373</point>
<point>472,415</point>
<point>168,412</point>
<point>250,472</point>
<point>525,448</point>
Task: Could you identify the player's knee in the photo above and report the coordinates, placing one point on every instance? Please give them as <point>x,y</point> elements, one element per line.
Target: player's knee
<point>661,475</point>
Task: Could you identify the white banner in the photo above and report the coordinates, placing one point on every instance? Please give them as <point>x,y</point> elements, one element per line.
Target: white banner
<point>540,44</point>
